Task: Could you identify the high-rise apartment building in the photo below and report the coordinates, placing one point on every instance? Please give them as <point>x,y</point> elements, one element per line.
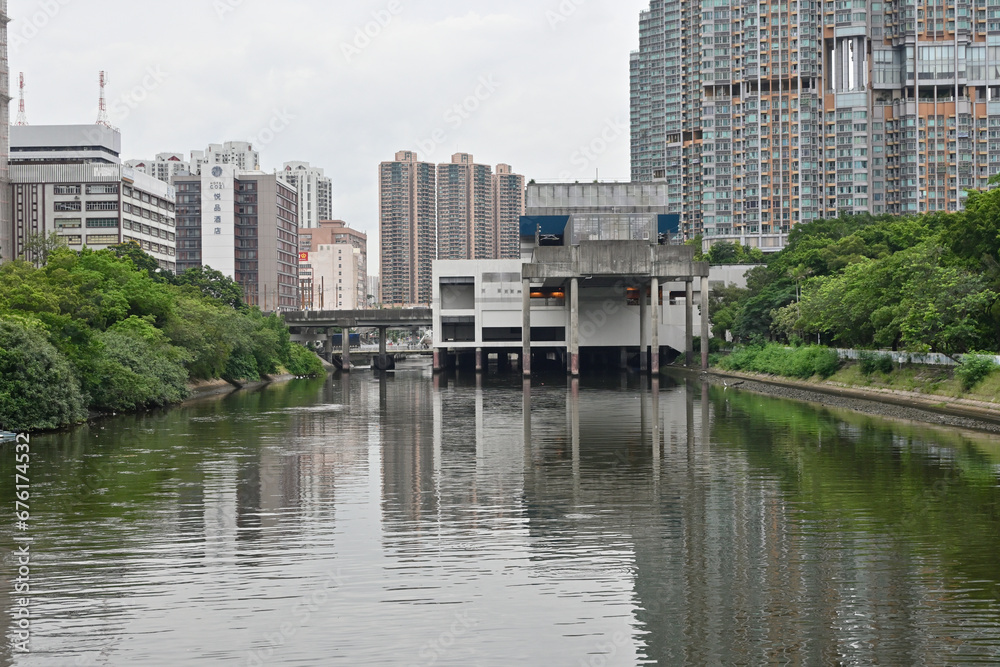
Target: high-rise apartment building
<point>243,224</point>
<point>508,207</point>
<point>762,116</point>
<point>456,210</point>
<point>465,211</point>
<point>315,192</point>
<point>237,153</point>
<point>163,167</point>
<point>349,284</point>
<point>407,229</point>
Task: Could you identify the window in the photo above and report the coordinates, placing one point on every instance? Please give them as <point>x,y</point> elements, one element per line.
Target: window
<point>102,189</point>
<point>67,223</point>
<point>66,190</point>
<point>67,206</point>
<point>102,206</point>
<point>102,222</point>
<point>102,239</point>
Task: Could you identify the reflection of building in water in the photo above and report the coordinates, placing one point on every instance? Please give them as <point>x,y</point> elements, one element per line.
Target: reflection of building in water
<point>406,428</point>
<point>261,478</point>
<point>726,569</point>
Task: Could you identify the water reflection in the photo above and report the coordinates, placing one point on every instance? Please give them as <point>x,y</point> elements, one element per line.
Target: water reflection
<point>484,520</point>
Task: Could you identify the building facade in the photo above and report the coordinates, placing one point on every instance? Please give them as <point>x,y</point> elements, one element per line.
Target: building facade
<point>164,167</point>
<point>68,179</point>
<point>465,211</point>
<point>354,278</point>
<point>758,117</point>
<point>315,192</point>
<point>240,154</point>
<point>508,207</point>
<point>328,277</point>
<point>6,229</point>
<point>243,224</point>
<point>407,229</point>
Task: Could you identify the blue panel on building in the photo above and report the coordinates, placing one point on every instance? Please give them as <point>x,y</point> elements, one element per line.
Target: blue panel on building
<point>546,225</point>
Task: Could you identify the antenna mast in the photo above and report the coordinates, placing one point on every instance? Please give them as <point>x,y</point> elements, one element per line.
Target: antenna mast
<point>22,117</point>
<point>102,109</point>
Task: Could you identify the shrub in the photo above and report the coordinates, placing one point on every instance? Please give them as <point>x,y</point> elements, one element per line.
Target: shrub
<point>133,372</point>
<point>800,362</point>
<point>303,362</point>
<point>870,362</point>
<point>241,366</point>
<point>974,369</point>
<point>38,387</point>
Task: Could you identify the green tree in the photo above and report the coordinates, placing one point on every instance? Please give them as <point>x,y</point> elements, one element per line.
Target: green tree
<point>38,247</point>
<point>38,387</point>
<point>213,284</point>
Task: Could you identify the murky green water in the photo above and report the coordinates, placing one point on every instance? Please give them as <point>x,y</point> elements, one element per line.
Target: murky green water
<point>419,522</point>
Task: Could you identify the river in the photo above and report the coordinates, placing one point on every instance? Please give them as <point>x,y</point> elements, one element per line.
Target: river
<point>461,521</point>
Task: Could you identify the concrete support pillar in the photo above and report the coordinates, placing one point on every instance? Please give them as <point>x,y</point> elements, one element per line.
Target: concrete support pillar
<point>382,335</point>
<point>438,360</point>
<point>526,327</point>
<point>574,327</point>
<point>643,331</point>
<point>689,323</point>
<point>623,361</point>
<point>654,326</point>
<point>328,346</point>
<point>479,360</point>
<point>704,323</point>
<point>345,339</point>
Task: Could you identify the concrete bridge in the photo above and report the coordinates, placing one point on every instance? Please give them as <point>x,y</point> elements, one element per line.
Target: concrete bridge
<point>312,325</point>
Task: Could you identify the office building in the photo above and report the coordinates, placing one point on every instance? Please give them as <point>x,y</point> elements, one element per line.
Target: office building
<point>350,276</point>
<point>69,179</point>
<point>315,192</point>
<point>761,116</point>
<point>244,224</point>
<point>407,229</point>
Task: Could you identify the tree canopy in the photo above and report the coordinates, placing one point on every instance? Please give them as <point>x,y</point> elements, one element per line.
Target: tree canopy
<point>923,283</point>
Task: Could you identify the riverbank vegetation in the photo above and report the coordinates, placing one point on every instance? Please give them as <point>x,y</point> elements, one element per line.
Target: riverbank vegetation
<point>107,331</point>
<point>922,283</point>
<point>919,283</point>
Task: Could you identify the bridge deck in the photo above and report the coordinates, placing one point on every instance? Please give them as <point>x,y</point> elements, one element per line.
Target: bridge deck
<point>392,318</point>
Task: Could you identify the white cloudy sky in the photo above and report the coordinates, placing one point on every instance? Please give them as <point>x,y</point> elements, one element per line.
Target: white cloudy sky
<point>187,73</point>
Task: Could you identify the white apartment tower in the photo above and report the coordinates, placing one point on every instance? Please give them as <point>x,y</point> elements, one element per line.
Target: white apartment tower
<point>237,153</point>
<point>164,167</point>
<point>315,192</point>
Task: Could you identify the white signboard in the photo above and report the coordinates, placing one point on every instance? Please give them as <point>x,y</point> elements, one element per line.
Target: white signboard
<point>218,218</point>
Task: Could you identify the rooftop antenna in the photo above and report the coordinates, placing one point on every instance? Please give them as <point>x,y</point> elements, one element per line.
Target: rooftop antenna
<point>22,117</point>
<point>102,109</point>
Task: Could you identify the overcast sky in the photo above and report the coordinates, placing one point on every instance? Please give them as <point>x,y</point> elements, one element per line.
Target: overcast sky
<point>342,84</point>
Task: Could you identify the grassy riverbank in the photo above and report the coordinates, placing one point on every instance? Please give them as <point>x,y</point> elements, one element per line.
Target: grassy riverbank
<point>976,382</point>
<point>107,331</point>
